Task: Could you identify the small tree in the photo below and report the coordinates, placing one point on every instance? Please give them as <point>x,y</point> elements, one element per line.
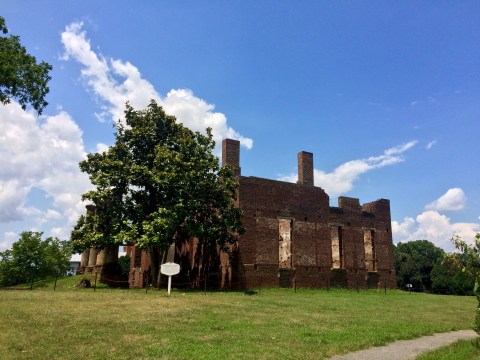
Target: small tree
<point>21,77</point>
<point>32,258</point>
<point>469,261</point>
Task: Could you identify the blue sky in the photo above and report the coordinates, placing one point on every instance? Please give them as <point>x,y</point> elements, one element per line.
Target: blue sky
<point>385,94</point>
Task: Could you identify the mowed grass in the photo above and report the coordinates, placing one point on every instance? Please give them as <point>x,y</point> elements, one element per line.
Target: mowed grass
<point>72,323</point>
<point>461,350</point>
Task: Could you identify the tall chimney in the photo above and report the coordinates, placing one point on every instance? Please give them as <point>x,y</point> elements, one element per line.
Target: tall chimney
<point>231,154</point>
<point>305,168</point>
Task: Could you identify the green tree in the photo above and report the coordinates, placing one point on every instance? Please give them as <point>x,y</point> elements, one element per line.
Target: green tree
<point>159,183</point>
<point>414,261</point>
<point>21,77</point>
<point>32,258</point>
<point>468,259</point>
<point>448,278</point>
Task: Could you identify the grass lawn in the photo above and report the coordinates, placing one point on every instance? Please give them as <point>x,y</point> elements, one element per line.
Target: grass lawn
<point>461,350</point>
<point>72,323</point>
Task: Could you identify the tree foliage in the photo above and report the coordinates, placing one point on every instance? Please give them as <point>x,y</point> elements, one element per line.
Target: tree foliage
<point>124,262</point>
<point>32,258</point>
<point>158,183</point>
<point>21,77</point>
<point>428,268</point>
<point>468,259</point>
<point>448,278</point>
<point>414,261</point>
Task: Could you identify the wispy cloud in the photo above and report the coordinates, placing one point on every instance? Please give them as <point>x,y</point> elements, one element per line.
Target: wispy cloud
<point>114,82</point>
<point>341,180</point>
<point>428,99</point>
<point>431,144</point>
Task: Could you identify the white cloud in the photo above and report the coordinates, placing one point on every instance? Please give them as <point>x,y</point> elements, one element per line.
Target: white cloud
<point>102,148</point>
<point>50,215</point>
<point>114,82</point>
<point>59,232</point>
<point>341,180</point>
<point>431,144</point>
<point>404,229</point>
<point>9,238</point>
<point>453,200</point>
<point>41,153</point>
<point>433,226</point>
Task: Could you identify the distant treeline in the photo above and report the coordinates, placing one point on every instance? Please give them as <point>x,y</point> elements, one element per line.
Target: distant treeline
<point>428,269</point>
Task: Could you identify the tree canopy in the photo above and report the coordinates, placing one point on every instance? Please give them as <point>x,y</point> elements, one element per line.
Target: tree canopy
<point>414,261</point>
<point>468,258</point>
<point>158,183</point>
<point>429,268</point>
<point>448,278</point>
<point>21,77</point>
<point>32,258</point>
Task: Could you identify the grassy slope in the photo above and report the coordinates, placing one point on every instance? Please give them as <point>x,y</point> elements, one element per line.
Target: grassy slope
<point>126,324</point>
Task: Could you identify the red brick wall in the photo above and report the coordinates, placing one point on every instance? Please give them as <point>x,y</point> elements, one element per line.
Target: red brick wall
<point>265,201</point>
<point>255,259</point>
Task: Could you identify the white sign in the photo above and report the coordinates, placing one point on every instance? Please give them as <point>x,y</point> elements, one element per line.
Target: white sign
<point>170,269</point>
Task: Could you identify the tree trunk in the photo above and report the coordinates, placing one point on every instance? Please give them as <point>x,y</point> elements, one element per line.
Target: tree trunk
<point>155,266</point>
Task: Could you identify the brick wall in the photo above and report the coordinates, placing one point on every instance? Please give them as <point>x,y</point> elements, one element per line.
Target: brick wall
<point>277,213</point>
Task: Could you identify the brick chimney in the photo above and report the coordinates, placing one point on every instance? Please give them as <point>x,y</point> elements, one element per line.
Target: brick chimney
<point>305,168</point>
<point>231,154</point>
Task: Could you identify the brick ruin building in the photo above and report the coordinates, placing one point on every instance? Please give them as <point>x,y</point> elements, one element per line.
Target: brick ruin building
<point>293,237</point>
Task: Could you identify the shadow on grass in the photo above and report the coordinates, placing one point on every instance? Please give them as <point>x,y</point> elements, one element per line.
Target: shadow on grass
<point>21,287</point>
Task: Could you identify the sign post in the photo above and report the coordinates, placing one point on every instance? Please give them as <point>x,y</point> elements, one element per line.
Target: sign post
<point>409,287</point>
<point>170,269</point>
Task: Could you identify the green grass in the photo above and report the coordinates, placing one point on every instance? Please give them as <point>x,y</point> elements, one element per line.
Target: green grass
<point>461,350</point>
<point>73,323</point>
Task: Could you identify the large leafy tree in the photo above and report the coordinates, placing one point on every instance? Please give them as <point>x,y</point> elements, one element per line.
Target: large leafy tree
<point>32,258</point>
<point>21,77</point>
<point>414,261</point>
<point>159,183</point>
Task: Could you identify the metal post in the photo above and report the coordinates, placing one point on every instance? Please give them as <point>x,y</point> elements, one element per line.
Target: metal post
<point>95,285</point>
